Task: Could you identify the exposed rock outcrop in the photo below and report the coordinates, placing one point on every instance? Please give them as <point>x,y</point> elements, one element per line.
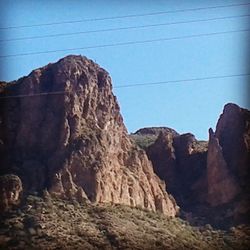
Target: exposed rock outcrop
<point>180,160</point>
<point>222,187</point>
<point>10,191</point>
<point>233,133</point>
<point>210,180</point>
<point>228,163</point>
<point>65,133</point>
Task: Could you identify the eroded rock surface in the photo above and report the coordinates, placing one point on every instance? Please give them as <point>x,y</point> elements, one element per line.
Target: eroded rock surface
<point>228,163</point>
<point>180,160</point>
<point>233,132</point>
<point>68,136</point>
<point>210,180</point>
<point>10,191</point>
<point>222,187</point>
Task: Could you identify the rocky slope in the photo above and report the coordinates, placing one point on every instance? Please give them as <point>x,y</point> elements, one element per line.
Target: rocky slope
<point>59,224</point>
<point>64,132</point>
<point>208,179</point>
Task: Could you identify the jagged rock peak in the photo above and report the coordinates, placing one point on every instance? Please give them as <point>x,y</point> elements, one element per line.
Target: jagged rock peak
<point>73,141</point>
<point>234,126</point>
<point>222,187</point>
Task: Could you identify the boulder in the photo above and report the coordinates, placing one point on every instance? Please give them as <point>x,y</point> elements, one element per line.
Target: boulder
<point>10,191</point>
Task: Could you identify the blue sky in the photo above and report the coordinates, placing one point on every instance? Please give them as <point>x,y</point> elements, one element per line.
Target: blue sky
<point>188,106</point>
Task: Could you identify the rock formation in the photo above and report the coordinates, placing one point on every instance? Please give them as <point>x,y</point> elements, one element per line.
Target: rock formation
<point>222,187</point>
<point>228,162</point>
<point>180,160</point>
<point>233,133</point>
<point>65,133</point>
<point>10,191</point>
<point>213,179</point>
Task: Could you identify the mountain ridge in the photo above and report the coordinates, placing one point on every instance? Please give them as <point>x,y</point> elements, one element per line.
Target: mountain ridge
<point>70,171</point>
<point>75,143</point>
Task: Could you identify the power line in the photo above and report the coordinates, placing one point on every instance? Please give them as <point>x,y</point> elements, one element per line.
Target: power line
<point>124,16</point>
<point>132,85</point>
<point>178,81</point>
<point>34,95</point>
<point>121,28</point>
<point>125,43</point>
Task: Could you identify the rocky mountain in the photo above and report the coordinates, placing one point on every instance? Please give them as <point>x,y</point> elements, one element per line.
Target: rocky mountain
<point>208,179</point>
<point>228,163</point>
<point>72,178</point>
<point>61,130</point>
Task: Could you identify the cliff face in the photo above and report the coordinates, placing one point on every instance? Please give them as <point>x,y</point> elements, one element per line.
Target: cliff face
<point>207,178</point>
<point>180,160</point>
<point>222,187</point>
<point>68,136</point>
<point>228,162</point>
<point>233,133</point>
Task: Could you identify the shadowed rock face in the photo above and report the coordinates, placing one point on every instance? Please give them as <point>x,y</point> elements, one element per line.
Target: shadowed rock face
<point>74,138</point>
<point>228,162</point>
<point>233,132</point>
<point>10,191</point>
<point>180,160</point>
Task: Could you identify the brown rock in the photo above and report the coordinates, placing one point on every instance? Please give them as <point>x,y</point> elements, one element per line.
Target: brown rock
<point>180,160</point>
<point>162,155</point>
<point>233,132</point>
<point>10,191</point>
<point>75,138</point>
<point>208,179</point>
<point>222,187</point>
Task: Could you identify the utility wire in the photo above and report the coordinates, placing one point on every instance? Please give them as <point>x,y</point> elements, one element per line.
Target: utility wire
<point>121,28</point>
<point>124,16</point>
<point>125,43</point>
<point>132,85</point>
<point>179,81</point>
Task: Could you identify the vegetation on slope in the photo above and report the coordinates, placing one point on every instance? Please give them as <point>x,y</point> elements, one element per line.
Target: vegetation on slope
<point>58,224</point>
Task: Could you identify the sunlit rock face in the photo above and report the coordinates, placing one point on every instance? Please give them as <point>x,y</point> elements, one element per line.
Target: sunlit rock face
<point>68,136</point>
<point>222,187</point>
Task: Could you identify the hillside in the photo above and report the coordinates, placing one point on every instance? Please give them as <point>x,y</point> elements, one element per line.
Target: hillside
<point>59,224</point>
